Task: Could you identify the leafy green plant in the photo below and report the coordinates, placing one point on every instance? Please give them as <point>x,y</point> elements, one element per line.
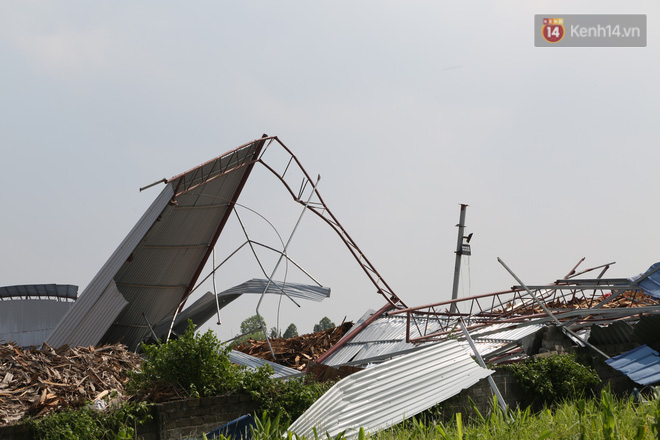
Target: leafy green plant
<point>199,366</point>
<point>287,399</point>
<point>87,424</point>
<point>196,363</point>
<point>555,377</point>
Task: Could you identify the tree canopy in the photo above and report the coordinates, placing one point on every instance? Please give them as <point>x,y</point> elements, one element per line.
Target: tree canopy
<point>323,324</point>
<point>291,331</point>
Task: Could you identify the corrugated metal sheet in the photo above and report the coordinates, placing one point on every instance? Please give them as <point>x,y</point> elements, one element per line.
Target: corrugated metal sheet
<point>641,365</point>
<point>251,362</point>
<point>26,291</point>
<point>294,290</point>
<point>619,332</point>
<point>161,258</point>
<point>386,394</point>
<point>28,322</point>
<point>650,284</point>
<point>647,329</point>
<point>386,337</point>
<point>85,305</point>
<point>169,258</point>
<point>93,324</point>
<point>205,307</point>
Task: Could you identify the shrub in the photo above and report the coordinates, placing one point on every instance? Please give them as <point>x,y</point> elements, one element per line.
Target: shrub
<point>555,378</point>
<point>200,366</point>
<point>87,424</point>
<point>197,363</point>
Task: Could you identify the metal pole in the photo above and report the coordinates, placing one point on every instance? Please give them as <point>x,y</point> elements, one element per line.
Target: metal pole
<point>459,252</point>
<point>545,309</point>
<point>481,362</point>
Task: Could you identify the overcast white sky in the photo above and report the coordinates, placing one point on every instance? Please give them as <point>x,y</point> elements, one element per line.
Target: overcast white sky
<point>406,109</point>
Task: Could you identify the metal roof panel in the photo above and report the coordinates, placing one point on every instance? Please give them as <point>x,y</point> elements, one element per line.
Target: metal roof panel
<point>641,364</point>
<point>386,394</point>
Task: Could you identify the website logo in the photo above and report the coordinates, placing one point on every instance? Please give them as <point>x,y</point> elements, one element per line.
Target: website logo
<point>553,29</point>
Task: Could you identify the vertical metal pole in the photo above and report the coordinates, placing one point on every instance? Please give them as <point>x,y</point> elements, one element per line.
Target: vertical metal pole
<point>481,362</point>
<point>459,252</point>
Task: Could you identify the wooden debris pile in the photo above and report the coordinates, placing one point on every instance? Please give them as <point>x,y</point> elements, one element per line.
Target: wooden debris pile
<point>296,352</point>
<point>35,382</point>
<point>627,299</point>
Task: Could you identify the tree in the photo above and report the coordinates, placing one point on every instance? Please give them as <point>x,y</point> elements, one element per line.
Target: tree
<point>291,331</point>
<point>250,329</point>
<point>251,324</point>
<point>323,324</point>
<point>273,333</point>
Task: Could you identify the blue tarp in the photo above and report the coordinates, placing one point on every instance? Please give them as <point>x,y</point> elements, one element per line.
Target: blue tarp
<point>650,284</point>
<point>642,365</point>
<point>238,429</point>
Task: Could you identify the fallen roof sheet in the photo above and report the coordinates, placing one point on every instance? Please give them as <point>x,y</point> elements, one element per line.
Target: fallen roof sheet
<point>647,329</point>
<point>618,332</point>
<point>158,263</point>
<point>650,280</point>
<point>386,338</point>
<point>641,364</point>
<point>251,362</point>
<point>29,291</point>
<point>206,307</point>
<point>294,290</point>
<point>386,394</point>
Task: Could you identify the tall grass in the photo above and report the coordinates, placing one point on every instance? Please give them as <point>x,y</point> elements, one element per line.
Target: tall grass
<point>605,418</point>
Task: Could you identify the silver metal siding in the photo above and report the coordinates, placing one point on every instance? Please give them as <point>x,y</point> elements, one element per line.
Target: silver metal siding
<point>71,322</point>
<point>388,393</point>
<point>29,322</point>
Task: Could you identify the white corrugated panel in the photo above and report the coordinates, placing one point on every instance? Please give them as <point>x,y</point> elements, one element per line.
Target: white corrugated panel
<point>382,396</point>
<point>86,304</point>
<point>251,362</point>
<point>294,290</point>
<point>100,317</point>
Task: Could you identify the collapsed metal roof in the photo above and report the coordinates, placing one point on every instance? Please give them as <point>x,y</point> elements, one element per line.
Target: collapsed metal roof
<point>153,271</point>
<point>386,394</point>
<point>155,268</point>
<point>251,362</point>
<point>641,364</point>
<point>205,307</point>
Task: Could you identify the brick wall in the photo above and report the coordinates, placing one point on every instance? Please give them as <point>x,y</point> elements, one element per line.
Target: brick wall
<point>174,420</point>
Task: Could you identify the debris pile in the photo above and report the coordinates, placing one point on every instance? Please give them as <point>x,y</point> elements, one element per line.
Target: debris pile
<point>296,352</point>
<point>35,382</point>
<point>627,299</point>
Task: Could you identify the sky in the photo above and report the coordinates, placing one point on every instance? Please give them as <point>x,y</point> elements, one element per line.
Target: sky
<point>405,109</point>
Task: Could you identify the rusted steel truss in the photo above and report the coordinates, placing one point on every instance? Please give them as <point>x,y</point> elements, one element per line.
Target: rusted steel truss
<point>575,302</point>
<point>299,183</point>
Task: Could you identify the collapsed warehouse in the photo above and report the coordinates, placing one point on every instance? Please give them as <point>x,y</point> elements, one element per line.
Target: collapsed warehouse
<point>417,356</point>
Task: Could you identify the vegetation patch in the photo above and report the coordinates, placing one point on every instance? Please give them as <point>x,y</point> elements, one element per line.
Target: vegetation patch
<point>555,378</point>
<point>198,365</point>
<point>87,424</point>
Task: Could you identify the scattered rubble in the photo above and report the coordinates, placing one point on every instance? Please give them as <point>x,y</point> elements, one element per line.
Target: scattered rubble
<point>36,382</point>
<point>298,352</point>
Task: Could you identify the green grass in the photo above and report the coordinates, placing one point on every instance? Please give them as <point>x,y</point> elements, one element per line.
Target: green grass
<point>605,418</point>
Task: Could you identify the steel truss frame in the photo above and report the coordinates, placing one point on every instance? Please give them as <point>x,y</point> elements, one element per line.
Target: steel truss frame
<point>575,302</point>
